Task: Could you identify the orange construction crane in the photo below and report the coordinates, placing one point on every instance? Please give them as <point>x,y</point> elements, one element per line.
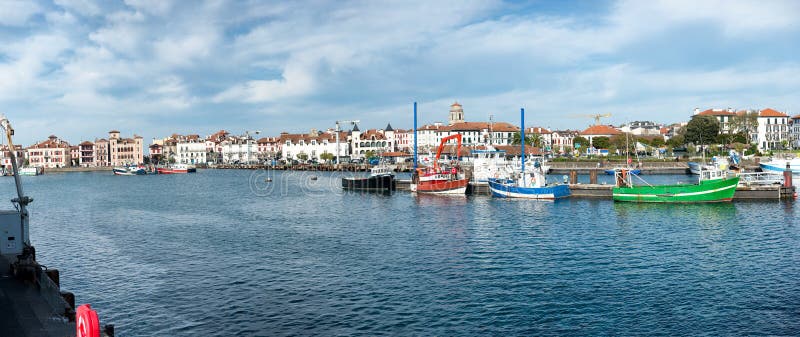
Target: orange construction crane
<point>441,147</point>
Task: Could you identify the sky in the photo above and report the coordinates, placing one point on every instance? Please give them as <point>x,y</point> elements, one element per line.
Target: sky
<point>79,68</point>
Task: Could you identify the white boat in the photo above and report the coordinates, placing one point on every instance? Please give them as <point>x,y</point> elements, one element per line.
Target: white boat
<point>717,163</point>
<point>487,164</point>
<point>779,165</point>
<point>129,171</point>
<point>31,171</point>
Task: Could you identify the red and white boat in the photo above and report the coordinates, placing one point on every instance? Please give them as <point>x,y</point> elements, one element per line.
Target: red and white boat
<point>177,168</point>
<point>441,180</point>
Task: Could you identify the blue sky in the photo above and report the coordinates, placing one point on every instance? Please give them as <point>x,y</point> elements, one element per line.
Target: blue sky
<point>78,68</point>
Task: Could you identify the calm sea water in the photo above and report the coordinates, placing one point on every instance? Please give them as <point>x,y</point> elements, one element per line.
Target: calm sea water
<point>222,253</point>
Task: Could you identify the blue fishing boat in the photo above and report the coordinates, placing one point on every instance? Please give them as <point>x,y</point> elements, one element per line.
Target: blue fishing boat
<point>780,165</point>
<point>129,171</point>
<point>633,171</point>
<point>527,184</point>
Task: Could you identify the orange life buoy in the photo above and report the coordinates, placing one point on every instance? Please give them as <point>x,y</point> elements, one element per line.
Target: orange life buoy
<point>623,173</point>
<point>86,322</point>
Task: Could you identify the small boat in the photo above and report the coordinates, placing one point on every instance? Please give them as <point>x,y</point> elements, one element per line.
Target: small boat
<point>714,186</point>
<point>436,179</point>
<point>31,171</point>
<point>779,165</point>
<point>631,171</point>
<point>716,163</point>
<point>268,180</point>
<point>176,168</point>
<point>313,177</point>
<point>381,178</point>
<point>129,171</point>
<point>487,163</point>
<point>527,185</point>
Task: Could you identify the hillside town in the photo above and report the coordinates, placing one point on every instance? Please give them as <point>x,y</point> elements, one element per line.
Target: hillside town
<point>766,130</point>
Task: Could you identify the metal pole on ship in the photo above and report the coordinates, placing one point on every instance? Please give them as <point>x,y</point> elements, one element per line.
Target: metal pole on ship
<point>415,135</point>
<point>522,137</point>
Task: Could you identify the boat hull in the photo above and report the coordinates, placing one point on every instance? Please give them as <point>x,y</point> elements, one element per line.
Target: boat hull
<point>374,183</point>
<point>443,187</point>
<point>164,170</point>
<point>717,190</point>
<point>503,188</point>
<point>634,171</point>
<point>780,166</point>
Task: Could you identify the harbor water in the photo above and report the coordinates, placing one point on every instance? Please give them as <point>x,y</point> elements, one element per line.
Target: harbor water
<point>224,253</point>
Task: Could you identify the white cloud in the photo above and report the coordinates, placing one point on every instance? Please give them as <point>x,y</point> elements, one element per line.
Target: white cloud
<point>17,12</point>
<point>154,7</point>
<point>296,80</point>
<point>82,7</point>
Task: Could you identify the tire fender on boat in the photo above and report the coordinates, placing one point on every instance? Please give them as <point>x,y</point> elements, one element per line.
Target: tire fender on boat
<point>87,324</point>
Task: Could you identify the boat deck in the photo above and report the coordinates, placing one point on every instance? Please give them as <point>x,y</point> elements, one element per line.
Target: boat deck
<point>27,310</point>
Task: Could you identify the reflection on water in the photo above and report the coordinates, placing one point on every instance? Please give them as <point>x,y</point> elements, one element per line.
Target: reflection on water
<point>299,256</point>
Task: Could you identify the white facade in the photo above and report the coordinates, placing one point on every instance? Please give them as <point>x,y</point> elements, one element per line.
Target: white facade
<point>191,152</point>
<point>313,145</point>
<point>236,151</point>
<point>794,135</point>
<point>773,130</point>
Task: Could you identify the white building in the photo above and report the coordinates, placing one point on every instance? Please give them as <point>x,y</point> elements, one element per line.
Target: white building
<point>773,130</point>
<point>374,140</point>
<point>312,145</point>
<point>642,128</point>
<point>794,134</point>
<point>191,152</point>
<point>239,150</point>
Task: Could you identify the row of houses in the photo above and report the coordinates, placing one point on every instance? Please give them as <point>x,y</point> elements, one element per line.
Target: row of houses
<point>768,128</point>
<point>55,152</point>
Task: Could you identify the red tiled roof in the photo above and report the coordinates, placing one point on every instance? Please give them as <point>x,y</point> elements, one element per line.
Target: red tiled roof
<point>539,130</point>
<point>601,130</point>
<point>768,112</point>
<point>796,117</point>
<point>395,154</point>
<point>514,150</point>
<point>370,133</point>
<point>478,126</point>
<point>716,112</point>
<point>84,143</point>
<point>296,137</point>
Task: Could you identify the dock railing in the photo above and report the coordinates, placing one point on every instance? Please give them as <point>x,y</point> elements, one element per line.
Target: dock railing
<point>760,178</point>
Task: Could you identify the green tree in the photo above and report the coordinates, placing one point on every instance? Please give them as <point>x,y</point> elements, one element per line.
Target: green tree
<point>326,156</point>
<point>623,142</point>
<point>600,142</point>
<point>746,123</point>
<point>657,142</point>
<point>369,154</point>
<point>583,142</point>
<point>676,141</point>
<point>302,156</point>
<point>702,129</point>
<point>516,138</point>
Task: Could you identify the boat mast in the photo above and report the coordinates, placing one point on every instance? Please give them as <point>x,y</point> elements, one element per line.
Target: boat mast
<point>522,137</point>
<point>21,199</point>
<point>415,135</point>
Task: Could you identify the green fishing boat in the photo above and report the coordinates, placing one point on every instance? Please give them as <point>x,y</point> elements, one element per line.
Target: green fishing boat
<point>714,186</point>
